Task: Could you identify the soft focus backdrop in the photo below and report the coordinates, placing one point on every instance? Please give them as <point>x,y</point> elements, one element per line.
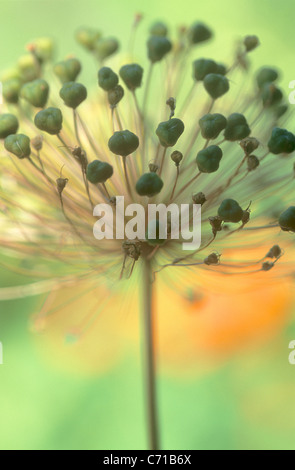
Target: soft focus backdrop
<point>248,402</point>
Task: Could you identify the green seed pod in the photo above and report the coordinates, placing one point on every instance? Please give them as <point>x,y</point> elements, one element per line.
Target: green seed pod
<point>170,131</point>
<point>87,37</point>
<point>221,69</point>
<point>202,67</point>
<point>266,75</point>
<point>61,184</point>
<point>237,127</point>
<point>230,211</point>
<point>11,89</point>
<point>67,70</point>
<point>287,220</point>
<point>158,47</point>
<point>123,143</point>
<point>105,47</point>
<point>107,79</point>
<point>176,157</point>
<point>149,185</point>
<point>37,142</point>
<point>216,85</point>
<point>216,224</point>
<point>8,125</point>
<point>159,29</point>
<point>18,144</point>
<point>199,32</point>
<point>49,120</point>
<point>211,125</point>
<point>154,224</point>
<point>212,259</point>
<point>267,266</point>
<point>280,110</point>
<point>271,95</point>
<point>208,159</point>
<point>250,43</point>
<point>73,94</point>
<point>99,172</point>
<point>274,252</point>
<point>115,95</point>
<point>199,198</point>
<point>28,68</point>
<point>281,141</point>
<point>253,162</point>
<point>44,49</point>
<point>249,144</point>
<point>36,92</point>
<point>131,75</point>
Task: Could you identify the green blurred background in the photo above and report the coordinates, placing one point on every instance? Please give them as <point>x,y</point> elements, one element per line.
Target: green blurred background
<point>246,403</point>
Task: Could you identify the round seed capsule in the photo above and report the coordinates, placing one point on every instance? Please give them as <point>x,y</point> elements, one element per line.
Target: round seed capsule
<point>176,157</point>
<point>73,94</point>
<point>199,198</point>
<point>123,143</point>
<point>18,144</point>
<point>287,220</point>
<point>230,211</point>
<point>131,75</point>
<point>35,92</point>
<point>11,89</point>
<point>149,185</point>
<point>158,47</point>
<point>68,70</point>
<point>271,95</point>
<point>249,144</point>
<point>253,162</point>
<point>28,68</point>
<point>37,142</point>
<point>170,131</point>
<point>250,43</point>
<point>208,159</point>
<point>8,125</point>
<point>221,69</point>
<point>274,252</point>
<point>281,141</point>
<point>105,47</point>
<point>49,120</point>
<point>87,37</point>
<point>280,110</point>
<point>159,29</point>
<point>212,259</point>
<point>199,32</point>
<point>211,125</point>
<point>266,75</point>
<point>44,49</point>
<point>216,85</point>
<point>202,67</point>
<point>115,95</point>
<point>107,79</point>
<point>237,127</point>
<point>99,172</point>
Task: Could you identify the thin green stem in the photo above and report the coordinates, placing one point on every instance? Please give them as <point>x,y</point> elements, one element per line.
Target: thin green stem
<point>126,176</point>
<point>149,357</point>
<point>76,128</point>
<point>147,88</point>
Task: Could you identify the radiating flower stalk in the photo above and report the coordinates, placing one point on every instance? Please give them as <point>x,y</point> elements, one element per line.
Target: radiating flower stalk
<point>147,134</point>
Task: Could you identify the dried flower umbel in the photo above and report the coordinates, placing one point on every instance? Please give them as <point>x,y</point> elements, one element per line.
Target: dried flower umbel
<point>64,153</point>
